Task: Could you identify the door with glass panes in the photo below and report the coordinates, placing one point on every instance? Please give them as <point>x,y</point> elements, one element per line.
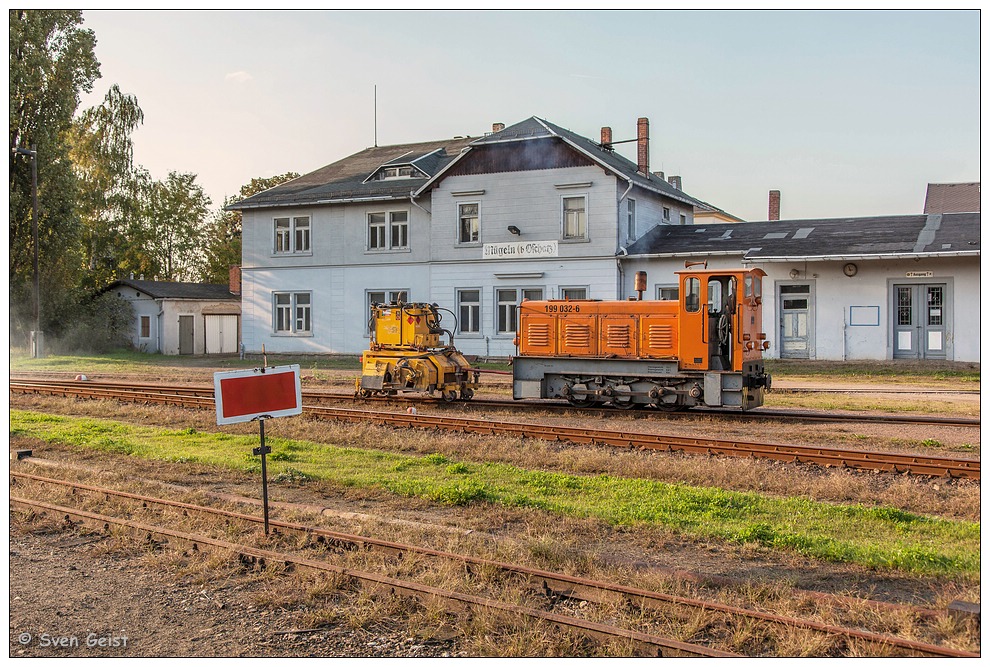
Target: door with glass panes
<point>920,321</point>
<point>794,306</point>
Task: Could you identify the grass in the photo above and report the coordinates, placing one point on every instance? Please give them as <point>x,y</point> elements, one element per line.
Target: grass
<point>134,362</point>
<point>878,537</point>
<point>890,371</point>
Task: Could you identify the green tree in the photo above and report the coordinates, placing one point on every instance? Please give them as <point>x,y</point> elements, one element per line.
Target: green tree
<point>222,242</point>
<point>167,239</point>
<point>102,155</point>
<point>52,63</point>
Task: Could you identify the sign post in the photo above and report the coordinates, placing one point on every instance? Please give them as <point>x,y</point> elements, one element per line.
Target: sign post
<point>258,394</point>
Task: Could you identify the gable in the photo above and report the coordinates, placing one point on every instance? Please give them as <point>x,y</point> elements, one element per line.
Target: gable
<point>529,155</point>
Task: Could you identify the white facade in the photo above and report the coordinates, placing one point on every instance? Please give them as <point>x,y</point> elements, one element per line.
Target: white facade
<point>857,317</point>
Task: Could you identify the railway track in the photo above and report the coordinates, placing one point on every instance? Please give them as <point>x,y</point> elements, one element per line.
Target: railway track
<point>549,588</point>
<point>192,396</point>
<point>322,396</point>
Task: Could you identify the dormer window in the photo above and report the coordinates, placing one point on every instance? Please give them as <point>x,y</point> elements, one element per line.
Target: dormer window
<point>388,173</point>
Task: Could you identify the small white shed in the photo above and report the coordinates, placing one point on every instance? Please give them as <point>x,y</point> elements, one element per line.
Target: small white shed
<point>182,318</point>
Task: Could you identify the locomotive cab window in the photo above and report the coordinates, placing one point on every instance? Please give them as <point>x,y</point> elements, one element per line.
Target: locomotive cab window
<point>692,295</point>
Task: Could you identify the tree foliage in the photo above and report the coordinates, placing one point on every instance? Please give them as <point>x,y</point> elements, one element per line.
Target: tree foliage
<point>102,154</point>
<point>51,63</point>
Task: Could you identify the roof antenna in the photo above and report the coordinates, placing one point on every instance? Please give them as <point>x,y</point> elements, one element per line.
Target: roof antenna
<point>376,115</point>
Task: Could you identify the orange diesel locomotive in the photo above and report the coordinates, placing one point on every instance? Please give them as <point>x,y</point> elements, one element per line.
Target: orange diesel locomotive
<point>706,348</point>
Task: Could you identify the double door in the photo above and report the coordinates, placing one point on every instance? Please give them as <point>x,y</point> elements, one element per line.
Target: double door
<point>920,320</point>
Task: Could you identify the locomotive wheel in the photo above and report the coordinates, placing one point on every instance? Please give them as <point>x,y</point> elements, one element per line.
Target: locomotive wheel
<point>449,395</point>
<point>623,402</point>
<point>670,407</point>
<point>467,394</point>
<point>583,401</point>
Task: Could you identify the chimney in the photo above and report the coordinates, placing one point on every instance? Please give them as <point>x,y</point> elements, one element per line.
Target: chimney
<point>675,181</point>
<point>643,146</point>
<point>235,280</point>
<point>774,212</point>
<point>498,127</point>
<point>659,174</point>
<point>606,137</point>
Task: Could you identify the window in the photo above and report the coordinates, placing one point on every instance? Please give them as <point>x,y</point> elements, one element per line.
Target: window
<point>573,293</point>
<point>469,311</point>
<point>692,295</point>
<point>292,235</point>
<point>683,219</point>
<point>293,312</point>
<point>145,326</point>
<point>376,231</point>
<point>385,296</point>
<point>575,216</point>
<point>507,305</point>
<point>666,213</point>
<point>667,292</point>
<point>631,219</point>
<point>399,229</point>
<point>395,172</point>
<point>469,223</point>
<point>397,236</point>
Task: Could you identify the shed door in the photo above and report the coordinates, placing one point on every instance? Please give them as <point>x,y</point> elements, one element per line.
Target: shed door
<point>185,334</point>
<point>221,334</point>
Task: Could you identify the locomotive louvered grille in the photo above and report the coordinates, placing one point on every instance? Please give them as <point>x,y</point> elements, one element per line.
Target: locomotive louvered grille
<point>661,335</point>
<point>577,335</point>
<point>539,334</point>
<point>618,335</point>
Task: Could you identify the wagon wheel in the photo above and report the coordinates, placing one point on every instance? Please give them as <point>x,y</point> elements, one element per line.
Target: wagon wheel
<point>467,394</point>
<point>449,395</point>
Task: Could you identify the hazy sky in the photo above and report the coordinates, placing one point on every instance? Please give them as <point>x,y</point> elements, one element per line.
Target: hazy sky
<point>848,113</point>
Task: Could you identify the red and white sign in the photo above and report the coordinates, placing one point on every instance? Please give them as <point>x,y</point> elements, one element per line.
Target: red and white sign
<point>243,396</point>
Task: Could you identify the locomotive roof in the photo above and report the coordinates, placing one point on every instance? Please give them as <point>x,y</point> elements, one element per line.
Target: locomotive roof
<point>890,237</point>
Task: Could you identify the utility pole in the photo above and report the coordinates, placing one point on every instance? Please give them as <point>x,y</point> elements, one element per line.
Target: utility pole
<point>37,339</point>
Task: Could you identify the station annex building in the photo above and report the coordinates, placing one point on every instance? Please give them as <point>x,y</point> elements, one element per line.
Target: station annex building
<point>534,211</point>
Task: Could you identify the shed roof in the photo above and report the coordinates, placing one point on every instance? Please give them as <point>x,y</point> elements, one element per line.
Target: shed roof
<point>951,234</point>
<point>160,289</point>
<point>952,198</point>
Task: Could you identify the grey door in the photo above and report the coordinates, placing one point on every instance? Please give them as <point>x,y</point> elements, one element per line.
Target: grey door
<point>185,334</point>
<point>794,302</point>
<point>919,321</point>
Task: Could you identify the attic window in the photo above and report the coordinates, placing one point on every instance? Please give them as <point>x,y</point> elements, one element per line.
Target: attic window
<point>388,173</point>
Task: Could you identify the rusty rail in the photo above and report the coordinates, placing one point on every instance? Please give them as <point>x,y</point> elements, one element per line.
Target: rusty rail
<point>550,584</point>
<point>932,466</point>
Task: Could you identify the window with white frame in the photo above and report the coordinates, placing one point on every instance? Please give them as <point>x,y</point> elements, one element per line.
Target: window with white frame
<point>507,306</point>
<point>385,296</point>
<point>631,219</point>
<point>388,230</point>
<point>575,217</point>
<point>666,213</point>
<point>667,292</point>
<point>292,235</point>
<point>573,293</point>
<point>468,223</point>
<point>293,312</point>
<point>469,311</point>
<point>683,219</point>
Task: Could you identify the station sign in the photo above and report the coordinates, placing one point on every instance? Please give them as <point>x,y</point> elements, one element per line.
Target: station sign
<point>519,250</point>
<point>243,396</point>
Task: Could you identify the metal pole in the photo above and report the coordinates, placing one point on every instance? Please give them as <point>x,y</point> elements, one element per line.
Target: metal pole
<point>36,352</point>
<point>263,450</point>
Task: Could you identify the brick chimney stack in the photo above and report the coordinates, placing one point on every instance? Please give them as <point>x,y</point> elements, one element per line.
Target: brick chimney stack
<point>675,181</point>
<point>774,210</point>
<point>607,137</point>
<point>643,146</point>
<point>497,127</point>
<point>235,280</point>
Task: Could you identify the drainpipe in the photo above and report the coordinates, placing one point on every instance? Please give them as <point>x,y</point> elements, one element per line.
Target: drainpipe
<point>413,202</point>
<point>158,326</point>
<point>618,244</point>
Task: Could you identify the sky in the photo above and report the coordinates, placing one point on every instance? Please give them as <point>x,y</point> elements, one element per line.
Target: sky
<point>847,113</point>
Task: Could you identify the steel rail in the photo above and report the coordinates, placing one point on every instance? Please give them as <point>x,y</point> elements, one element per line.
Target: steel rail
<point>567,586</point>
<point>548,405</point>
<point>932,466</point>
<point>378,582</point>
